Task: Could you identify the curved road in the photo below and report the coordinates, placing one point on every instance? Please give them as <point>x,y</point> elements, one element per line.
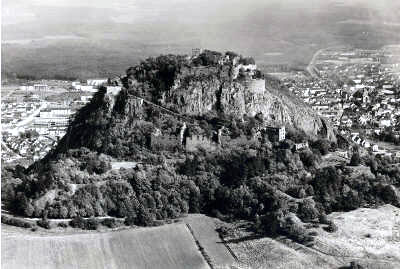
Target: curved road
<point>311,69</point>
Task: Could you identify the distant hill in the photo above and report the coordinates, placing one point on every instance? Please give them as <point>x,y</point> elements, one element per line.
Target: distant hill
<point>93,41</point>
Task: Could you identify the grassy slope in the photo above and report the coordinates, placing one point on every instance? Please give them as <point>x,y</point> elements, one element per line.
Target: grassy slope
<point>169,246</point>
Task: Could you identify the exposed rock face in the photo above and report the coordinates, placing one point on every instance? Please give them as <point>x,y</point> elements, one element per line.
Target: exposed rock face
<point>117,122</point>
<point>195,94</point>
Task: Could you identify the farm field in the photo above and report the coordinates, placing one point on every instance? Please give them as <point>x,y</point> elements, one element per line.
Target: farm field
<point>203,228</point>
<point>169,246</point>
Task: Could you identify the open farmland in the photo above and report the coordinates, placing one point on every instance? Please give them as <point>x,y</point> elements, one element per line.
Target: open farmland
<point>170,246</point>
<point>203,228</point>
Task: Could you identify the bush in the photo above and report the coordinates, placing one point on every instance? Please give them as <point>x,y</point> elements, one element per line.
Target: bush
<point>307,211</point>
<point>322,145</point>
<point>91,224</point>
<point>308,158</point>
<point>331,228</point>
<point>323,219</point>
<point>77,222</point>
<point>225,231</point>
<point>111,223</point>
<point>16,222</point>
<point>355,265</point>
<point>44,223</point>
<point>292,227</point>
<point>355,159</point>
<point>62,224</point>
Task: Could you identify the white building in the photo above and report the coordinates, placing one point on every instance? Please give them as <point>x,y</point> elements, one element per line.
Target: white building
<point>96,82</point>
<point>87,88</point>
<point>40,87</point>
<point>26,88</point>
<point>56,112</point>
<point>113,90</point>
<point>86,98</point>
<point>385,123</point>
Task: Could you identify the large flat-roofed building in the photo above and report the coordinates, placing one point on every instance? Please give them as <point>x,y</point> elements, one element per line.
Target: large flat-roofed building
<point>40,87</point>
<point>56,112</point>
<point>96,82</point>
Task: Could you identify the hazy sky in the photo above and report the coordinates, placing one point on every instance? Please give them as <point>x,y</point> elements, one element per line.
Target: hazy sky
<point>15,11</point>
<point>41,34</point>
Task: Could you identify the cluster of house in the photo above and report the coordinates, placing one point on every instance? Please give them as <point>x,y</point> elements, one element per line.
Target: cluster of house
<point>365,91</point>
<point>26,110</point>
<point>35,87</point>
<point>374,148</point>
<point>322,95</point>
<point>11,113</point>
<point>33,148</point>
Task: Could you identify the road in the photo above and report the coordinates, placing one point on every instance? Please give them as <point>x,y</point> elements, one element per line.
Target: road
<point>311,69</point>
<point>31,116</point>
<point>18,127</point>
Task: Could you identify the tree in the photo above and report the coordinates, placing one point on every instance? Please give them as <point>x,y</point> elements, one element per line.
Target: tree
<point>355,159</point>
<point>77,222</point>
<point>91,224</point>
<point>44,223</point>
<point>144,218</point>
<point>322,145</point>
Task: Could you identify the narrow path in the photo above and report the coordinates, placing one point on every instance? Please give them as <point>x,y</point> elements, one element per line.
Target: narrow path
<point>191,121</point>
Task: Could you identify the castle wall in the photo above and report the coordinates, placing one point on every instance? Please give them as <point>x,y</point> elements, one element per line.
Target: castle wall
<point>249,67</point>
<point>113,90</point>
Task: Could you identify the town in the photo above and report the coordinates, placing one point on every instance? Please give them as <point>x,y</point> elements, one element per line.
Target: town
<point>358,91</point>
<point>36,114</point>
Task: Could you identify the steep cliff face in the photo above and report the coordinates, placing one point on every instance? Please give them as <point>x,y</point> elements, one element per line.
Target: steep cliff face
<point>194,94</point>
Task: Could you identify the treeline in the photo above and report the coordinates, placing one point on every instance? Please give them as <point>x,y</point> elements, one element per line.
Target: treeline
<point>30,77</point>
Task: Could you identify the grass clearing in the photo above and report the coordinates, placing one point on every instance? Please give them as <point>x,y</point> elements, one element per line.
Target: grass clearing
<point>119,165</point>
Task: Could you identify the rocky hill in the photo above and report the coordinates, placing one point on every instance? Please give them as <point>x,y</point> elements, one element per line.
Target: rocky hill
<point>185,90</point>
<point>201,134</point>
